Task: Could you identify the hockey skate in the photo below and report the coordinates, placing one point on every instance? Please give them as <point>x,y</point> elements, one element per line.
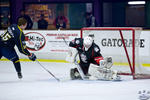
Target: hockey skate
<point>20,75</point>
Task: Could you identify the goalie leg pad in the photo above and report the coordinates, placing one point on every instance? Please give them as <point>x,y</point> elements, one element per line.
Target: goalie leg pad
<point>115,76</point>
<point>111,75</point>
<point>105,74</point>
<point>74,74</point>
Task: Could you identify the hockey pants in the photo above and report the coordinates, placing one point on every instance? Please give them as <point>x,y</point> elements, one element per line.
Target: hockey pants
<point>11,55</point>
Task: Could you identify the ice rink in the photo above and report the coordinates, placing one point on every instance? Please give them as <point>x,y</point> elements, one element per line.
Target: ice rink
<point>37,84</point>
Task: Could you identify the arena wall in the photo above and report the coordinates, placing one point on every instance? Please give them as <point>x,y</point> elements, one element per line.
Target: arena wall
<point>50,44</point>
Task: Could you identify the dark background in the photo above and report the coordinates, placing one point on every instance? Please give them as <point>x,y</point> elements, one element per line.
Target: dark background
<point>108,13</point>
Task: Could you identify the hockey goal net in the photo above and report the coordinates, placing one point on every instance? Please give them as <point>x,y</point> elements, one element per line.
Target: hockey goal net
<point>123,45</point>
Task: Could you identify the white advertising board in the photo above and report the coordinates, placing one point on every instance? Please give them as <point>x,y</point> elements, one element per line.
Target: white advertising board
<point>49,44</point>
<point>111,44</point>
<point>49,41</point>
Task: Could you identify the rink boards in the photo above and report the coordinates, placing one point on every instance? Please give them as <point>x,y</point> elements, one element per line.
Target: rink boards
<point>49,45</point>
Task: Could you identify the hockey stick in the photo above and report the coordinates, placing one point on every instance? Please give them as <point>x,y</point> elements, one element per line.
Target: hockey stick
<point>65,41</point>
<point>79,69</point>
<point>47,70</point>
<point>76,63</point>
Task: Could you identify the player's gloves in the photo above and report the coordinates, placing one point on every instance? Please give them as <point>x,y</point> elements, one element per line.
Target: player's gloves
<point>32,57</point>
<point>102,64</point>
<point>109,62</point>
<point>106,63</point>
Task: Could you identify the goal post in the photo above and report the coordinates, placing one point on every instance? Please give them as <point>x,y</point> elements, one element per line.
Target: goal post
<point>123,44</point>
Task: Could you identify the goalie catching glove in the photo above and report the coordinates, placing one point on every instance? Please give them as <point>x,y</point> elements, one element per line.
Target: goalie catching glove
<point>106,63</point>
<point>32,57</point>
<point>104,71</point>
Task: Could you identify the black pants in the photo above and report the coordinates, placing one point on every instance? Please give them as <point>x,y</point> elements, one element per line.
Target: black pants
<point>11,54</point>
<point>84,67</point>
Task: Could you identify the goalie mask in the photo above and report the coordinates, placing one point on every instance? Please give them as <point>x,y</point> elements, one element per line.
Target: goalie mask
<point>87,42</point>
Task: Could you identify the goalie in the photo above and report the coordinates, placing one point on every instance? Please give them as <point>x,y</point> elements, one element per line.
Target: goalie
<point>89,52</point>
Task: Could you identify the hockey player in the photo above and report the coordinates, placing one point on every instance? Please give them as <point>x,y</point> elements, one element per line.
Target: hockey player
<point>11,37</point>
<point>89,52</point>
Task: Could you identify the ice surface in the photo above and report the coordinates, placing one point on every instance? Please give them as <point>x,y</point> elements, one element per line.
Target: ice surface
<point>37,84</point>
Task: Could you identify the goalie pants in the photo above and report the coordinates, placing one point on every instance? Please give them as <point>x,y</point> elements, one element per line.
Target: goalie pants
<point>11,54</point>
<point>84,67</point>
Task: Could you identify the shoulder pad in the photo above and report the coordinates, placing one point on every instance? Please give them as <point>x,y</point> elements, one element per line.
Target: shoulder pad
<point>13,27</point>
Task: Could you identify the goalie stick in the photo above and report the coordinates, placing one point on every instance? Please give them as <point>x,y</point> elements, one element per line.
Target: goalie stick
<point>47,70</point>
<point>79,69</point>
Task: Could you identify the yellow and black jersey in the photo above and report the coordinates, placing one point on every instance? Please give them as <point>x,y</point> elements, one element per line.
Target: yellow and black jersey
<point>14,36</point>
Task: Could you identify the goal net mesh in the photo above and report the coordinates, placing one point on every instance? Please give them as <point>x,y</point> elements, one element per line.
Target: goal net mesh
<point>123,45</point>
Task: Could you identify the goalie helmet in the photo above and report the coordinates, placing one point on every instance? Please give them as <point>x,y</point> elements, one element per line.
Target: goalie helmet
<point>87,42</point>
<point>91,35</point>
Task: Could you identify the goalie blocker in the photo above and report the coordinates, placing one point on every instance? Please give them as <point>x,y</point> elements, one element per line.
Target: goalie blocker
<point>89,53</point>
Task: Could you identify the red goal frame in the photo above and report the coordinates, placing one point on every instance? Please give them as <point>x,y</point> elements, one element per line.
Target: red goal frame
<point>131,64</point>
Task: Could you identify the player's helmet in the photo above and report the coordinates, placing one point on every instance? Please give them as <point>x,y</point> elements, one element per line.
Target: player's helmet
<point>87,42</point>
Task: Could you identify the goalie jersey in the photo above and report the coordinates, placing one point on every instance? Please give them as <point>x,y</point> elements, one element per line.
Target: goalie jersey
<point>92,55</point>
<point>13,36</point>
